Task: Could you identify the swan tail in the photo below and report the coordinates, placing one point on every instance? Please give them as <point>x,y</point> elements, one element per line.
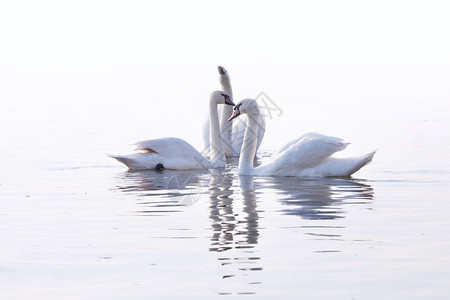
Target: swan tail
<point>361,162</point>
<point>339,167</point>
<point>125,160</point>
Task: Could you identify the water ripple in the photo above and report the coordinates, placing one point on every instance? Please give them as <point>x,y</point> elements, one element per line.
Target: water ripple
<point>232,206</point>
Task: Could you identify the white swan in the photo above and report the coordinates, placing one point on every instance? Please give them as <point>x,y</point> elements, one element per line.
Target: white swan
<point>177,154</point>
<point>309,155</point>
<point>232,132</point>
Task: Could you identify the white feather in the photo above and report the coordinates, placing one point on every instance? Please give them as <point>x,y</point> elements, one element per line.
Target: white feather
<point>232,132</point>
<point>309,155</point>
<point>175,153</point>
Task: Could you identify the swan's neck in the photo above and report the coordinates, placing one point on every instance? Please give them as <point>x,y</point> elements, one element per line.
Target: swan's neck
<point>248,150</point>
<point>216,153</point>
<point>227,111</point>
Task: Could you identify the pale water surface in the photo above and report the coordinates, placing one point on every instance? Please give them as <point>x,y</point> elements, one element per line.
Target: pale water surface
<point>76,225</point>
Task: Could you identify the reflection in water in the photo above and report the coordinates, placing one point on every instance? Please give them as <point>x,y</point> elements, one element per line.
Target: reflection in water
<point>235,220</point>
<point>168,190</point>
<point>221,212</point>
<point>235,228</point>
<point>320,199</point>
<point>248,192</point>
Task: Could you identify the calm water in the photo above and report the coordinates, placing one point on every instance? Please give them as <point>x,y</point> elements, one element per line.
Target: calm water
<point>75,224</point>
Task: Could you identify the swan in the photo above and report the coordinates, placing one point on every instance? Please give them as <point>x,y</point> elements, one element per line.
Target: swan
<point>232,133</point>
<point>307,156</point>
<point>177,154</point>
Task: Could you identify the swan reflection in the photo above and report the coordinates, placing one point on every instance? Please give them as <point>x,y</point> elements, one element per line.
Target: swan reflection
<point>231,203</point>
<point>221,213</point>
<point>158,191</point>
<point>320,199</point>
<point>232,228</point>
<point>235,228</point>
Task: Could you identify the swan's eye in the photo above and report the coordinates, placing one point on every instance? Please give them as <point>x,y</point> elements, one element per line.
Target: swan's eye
<point>225,96</point>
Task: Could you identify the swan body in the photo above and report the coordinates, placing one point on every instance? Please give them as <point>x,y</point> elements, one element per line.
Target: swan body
<point>171,152</point>
<point>232,133</point>
<point>307,156</point>
<point>177,154</point>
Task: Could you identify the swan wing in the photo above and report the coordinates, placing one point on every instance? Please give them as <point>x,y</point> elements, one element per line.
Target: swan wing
<point>169,147</point>
<point>174,153</point>
<point>309,136</point>
<point>305,152</point>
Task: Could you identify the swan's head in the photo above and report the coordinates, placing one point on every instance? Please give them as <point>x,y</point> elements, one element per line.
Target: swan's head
<point>224,77</point>
<point>246,106</point>
<point>220,97</point>
<point>222,70</point>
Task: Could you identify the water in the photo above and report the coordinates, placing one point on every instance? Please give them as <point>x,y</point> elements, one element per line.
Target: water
<point>75,224</point>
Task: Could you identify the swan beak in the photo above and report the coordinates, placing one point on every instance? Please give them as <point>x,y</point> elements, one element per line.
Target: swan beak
<point>229,101</point>
<point>235,114</point>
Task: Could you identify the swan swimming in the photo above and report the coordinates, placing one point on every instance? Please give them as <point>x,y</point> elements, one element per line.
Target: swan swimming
<point>307,156</point>
<point>177,154</point>
<point>232,133</point>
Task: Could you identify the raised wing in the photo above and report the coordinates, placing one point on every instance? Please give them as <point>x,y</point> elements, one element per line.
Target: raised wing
<point>169,147</point>
<point>305,152</point>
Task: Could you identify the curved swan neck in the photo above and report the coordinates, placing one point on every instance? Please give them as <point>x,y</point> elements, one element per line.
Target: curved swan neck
<point>216,152</point>
<point>248,150</point>
<point>227,111</point>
